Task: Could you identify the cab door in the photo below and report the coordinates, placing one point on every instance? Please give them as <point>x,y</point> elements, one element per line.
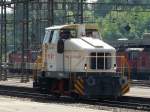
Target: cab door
<point>51,52</point>
<point>54,59</point>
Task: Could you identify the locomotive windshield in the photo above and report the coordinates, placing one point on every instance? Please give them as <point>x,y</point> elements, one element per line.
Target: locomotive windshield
<point>68,33</point>
<point>72,33</point>
<point>92,33</point>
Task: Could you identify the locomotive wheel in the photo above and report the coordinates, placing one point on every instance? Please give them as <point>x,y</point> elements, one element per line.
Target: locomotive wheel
<point>75,95</point>
<point>57,95</point>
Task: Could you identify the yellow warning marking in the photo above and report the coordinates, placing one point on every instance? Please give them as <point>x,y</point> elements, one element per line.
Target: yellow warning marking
<point>80,91</point>
<point>125,89</point>
<point>80,85</point>
<point>76,91</point>
<point>124,86</point>
<point>81,81</point>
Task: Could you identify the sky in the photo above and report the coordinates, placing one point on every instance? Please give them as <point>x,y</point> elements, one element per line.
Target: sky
<point>8,10</point>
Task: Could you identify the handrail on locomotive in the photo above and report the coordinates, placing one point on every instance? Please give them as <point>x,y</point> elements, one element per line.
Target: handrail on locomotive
<point>121,68</point>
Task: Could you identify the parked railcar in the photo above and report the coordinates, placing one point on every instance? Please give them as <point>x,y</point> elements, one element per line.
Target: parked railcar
<point>139,61</point>
<point>75,61</point>
<point>16,61</point>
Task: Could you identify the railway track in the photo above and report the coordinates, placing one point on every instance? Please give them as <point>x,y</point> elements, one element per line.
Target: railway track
<point>145,83</point>
<point>127,102</point>
<point>136,105</point>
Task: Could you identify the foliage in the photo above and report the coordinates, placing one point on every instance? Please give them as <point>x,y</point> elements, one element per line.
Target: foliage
<point>114,24</point>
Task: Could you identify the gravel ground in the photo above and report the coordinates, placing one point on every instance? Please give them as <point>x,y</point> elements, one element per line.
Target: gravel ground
<point>111,109</point>
<point>8,104</point>
<point>14,104</point>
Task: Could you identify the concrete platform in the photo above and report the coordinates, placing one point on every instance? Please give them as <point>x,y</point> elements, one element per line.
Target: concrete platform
<point>17,82</point>
<point>139,91</point>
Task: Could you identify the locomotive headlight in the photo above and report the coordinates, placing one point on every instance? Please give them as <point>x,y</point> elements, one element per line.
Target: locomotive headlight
<point>115,67</point>
<point>85,66</point>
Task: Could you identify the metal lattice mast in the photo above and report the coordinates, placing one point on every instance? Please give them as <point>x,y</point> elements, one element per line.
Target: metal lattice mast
<point>1,45</point>
<point>5,40</point>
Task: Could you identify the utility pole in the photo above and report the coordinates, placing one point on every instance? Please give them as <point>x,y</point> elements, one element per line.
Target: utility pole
<point>25,43</point>
<point>23,47</point>
<point>5,40</point>
<point>3,66</point>
<point>50,12</point>
<point>78,12</point>
<point>81,12</point>
<point>1,45</point>
<point>14,27</point>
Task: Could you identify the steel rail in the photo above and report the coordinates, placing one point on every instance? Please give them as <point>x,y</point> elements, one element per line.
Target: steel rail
<point>145,83</point>
<point>137,103</point>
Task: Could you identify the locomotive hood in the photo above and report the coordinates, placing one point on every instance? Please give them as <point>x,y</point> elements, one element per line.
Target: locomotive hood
<point>87,43</point>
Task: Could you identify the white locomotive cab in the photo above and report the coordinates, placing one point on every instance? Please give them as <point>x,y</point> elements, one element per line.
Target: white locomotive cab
<point>79,42</point>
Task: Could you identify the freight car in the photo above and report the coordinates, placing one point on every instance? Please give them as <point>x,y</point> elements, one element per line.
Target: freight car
<point>139,61</point>
<point>76,62</point>
<point>16,61</point>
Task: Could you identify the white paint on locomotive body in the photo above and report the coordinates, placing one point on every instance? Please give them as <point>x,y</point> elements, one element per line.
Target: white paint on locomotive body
<point>77,49</point>
<point>51,58</point>
<point>86,46</point>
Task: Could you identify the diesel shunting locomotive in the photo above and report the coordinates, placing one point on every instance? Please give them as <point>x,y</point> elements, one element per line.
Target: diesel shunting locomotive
<point>75,61</point>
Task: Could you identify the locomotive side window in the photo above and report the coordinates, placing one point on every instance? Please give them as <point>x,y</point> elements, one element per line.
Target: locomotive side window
<point>51,36</point>
<point>46,38</point>
<point>55,36</point>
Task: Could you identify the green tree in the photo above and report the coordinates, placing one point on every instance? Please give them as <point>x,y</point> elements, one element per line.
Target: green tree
<point>114,25</point>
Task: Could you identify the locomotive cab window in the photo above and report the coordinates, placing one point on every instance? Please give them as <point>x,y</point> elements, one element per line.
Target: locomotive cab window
<point>51,36</point>
<point>55,37</point>
<point>92,33</point>
<point>46,38</point>
<point>68,33</point>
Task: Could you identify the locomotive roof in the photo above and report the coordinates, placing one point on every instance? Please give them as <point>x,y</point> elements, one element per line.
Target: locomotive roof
<point>73,26</point>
